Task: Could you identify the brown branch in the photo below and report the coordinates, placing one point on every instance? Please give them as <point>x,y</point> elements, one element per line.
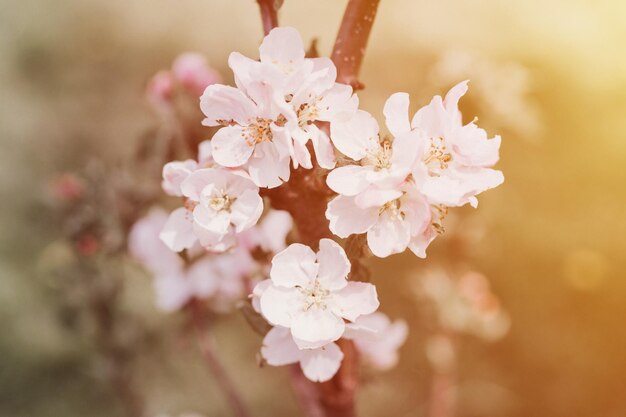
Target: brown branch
<point>307,393</point>
<point>269,14</point>
<point>352,39</point>
<point>215,366</point>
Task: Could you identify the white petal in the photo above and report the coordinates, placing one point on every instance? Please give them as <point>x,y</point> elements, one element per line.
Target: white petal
<point>324,150</point>
<point>389,235</point>
<point>349,180</point>
<point>279,305</point>
<point>274,230</point>
<point>246,210</point>
<point>295,265</point>
<point>346,218</point>
<point>320,365</point>
<point>217,222</point>
<point>451,102</point>
<point>174,173</point>
<point>376,197</point>
<point>316,327</point>
<point>356,299</point>
<point>406,149</point>
<point>338,104</point>
<point>283,45</point>
<point>355,136</point>
<point>257,292</point>
<point>230,147</point>
<point>221,103</point>
<point>194,185</point>
<point>177,234</point>
<point>279,348</point>
<point>334,265</point>
<point>396,113</point>
<point>267,168</point>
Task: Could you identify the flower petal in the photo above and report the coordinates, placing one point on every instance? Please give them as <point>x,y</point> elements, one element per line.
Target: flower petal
<point>356,299</point>
<point>295,265</point>
<point>283,45</point>
<point>230,147</point>
<point>349,180</point>
<point>355,136</point>
<point>334,265</point>
<point>346,218</point>
<point>389,235</point>
<point>320,365</point>
<point>396,113</point>
<point>279,348</point>
<point>221,103</point>
<point>177,234</point>
<point>267,168</point>
<point>316,327</point>
<point>280,305</point>
<point>246,210</point>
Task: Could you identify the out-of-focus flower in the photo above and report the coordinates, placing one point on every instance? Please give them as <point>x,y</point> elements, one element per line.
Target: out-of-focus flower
<point>67,187</point>
<point>174,173</point>
<point>466,305</point>
<point>269,234</point>
<point>161,88</point>
<point>310,295</point>
<point>219,204</point>
<point>318,365</point>
<point>218,278</point>
<point>194,73</point>
<point>378,339</point>
<point>87,245</point>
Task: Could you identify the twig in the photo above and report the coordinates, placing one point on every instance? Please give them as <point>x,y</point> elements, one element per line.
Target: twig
<point>215,366</point>
<point>352,39</point>
<point>307,393</point>
<point>269,14</point>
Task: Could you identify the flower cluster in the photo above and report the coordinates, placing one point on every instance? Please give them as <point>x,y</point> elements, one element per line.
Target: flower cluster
<point>311,305</point>
<point>398,188</point>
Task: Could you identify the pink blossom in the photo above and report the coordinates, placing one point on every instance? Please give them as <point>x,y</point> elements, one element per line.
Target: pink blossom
<point>310,295</point>
<point>220,203</point>
<point>269,234</point>
<point>193,72</point>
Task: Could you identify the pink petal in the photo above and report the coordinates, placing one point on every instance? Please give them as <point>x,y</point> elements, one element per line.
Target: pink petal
<point>294,266</point>
<point>320,365</point>
<point>334,265</point>
<point>349,180</point>
<point>280,305</point>
<point>282,45</point>
<point>356,299</point>
<point>230,147</point>
<point>396,113</point>
<point>221,103</point>
<point>177,234</point>
<point>346,218</point>
<point>279,348</point>
<point>355,136</point>
<point>316,327</point>
<point>246,210</point>
<point>389,235</point>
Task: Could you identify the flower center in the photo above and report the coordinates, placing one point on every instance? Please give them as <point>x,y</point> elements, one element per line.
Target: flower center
<point>439,213</point>
<point>381,158</point>
<point>221,202</point>
<point>258,131</point>
<point>438,157</point>
<point>393,208</point>
<point>307,113</point>
<point>314,296</point>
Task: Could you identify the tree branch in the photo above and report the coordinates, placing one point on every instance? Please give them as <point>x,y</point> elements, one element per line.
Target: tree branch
<point>215,366</point>
<point>269,14</point>
<point>352,39</point>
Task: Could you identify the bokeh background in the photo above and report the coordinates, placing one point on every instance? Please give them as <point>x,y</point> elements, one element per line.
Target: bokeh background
<point>549,76</point>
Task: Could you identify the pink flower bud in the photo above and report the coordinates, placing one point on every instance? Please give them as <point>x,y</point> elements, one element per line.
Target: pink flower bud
<point>160,88</point>
<point>67,187</point>
<point>193,72</point>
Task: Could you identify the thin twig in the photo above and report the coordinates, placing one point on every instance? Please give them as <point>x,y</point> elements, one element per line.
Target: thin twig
<point>352,40</point>
<point>216,368</point>
<point>269,14</point>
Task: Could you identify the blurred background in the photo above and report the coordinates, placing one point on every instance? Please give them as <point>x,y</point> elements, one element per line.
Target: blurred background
<point>549,76</point>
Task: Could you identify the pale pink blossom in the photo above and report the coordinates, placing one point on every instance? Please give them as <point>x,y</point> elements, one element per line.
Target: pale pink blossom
<point>310,295</point>
<point>194,73</point>
<point>160,89</point>
<point>318,365</point>
<point>456,158</point>
<point>218,278</point>
<point>384,162</point>
<point>304,89</point>
<point>393,219</point>
<point>378,339</point>
<point>220,203</point>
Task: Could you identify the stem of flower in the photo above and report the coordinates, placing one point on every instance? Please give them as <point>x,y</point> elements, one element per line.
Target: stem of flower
<point>269,14</point>
<point>352,39</point>
<point>207,347</point>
